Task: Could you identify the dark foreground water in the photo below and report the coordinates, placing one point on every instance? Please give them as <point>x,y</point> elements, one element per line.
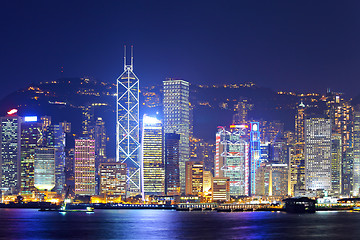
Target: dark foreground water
<point>165,224</point>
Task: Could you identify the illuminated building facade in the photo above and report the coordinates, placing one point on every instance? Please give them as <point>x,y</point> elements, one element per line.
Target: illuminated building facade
<point>84,167</point>
<point>127,125</point>
<point>336,164</point>
<point>297,168</point>
<point>153,171</point>
<point>317,154</point>
<point>232,158</point>
<point>177,120</point>
<point>300,123</point>
<point>207,181</point>
<point>221,189</point>
<point>113,179</point>
<point>44,168</point>
<point>194,177</point>
<point>356,169</point>
<point>100,147</point>
<point>172,158</point>
<point>272,180</point>
<point>255,154</point>
<point>10,153</point>
<point>340,112</point>
<point>31,137</point>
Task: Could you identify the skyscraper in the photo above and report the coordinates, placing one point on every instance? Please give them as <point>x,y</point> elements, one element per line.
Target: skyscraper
<point>255,154</point>
<point>300,122</point>
<point>297,168</point>
<point>127,125</point>
<point>44,168</point>
<point>232,158</point>
<point>10,153</point>
<point>153,171</point>
<point>194,177</point>
<point>336,164</point>
<point>318,153</point>
<point>356,169</point>
<point>176,118</point>
<point>172,158</point>
<point>113,180</point>
<point>84,166</point>
<point>31,137</point>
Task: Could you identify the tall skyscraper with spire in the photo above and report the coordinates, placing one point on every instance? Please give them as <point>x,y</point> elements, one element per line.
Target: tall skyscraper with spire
<point>127,124</point>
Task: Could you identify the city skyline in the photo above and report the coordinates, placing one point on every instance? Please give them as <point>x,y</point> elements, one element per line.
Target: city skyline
<point>281,45</point>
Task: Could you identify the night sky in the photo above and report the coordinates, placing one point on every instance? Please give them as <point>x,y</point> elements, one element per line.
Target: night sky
<point>284,45</point>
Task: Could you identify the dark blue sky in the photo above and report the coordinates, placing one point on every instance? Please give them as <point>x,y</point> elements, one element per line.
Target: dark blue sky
<point>284,45</point>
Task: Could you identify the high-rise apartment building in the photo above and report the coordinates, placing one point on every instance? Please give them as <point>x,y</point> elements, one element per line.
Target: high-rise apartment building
<point>172,158</point>
<point>84,166</point>
<point>318,153</point>
<point>232,158</point>
<point>10,153</point>
<point>176,118</point>
<point>194,177</point>
<point>153,170</point>
<point>44,168</point>
<point>113,180</point>
<point>127,125</point>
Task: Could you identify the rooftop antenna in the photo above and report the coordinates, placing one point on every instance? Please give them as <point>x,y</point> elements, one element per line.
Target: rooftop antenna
<point>132,56</point>
<point>124,57</point>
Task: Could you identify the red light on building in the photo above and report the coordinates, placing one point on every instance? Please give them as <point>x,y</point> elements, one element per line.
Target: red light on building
<point>12,111</point>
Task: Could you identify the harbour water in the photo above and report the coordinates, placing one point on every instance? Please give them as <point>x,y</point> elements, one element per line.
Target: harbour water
<point>168,224</point>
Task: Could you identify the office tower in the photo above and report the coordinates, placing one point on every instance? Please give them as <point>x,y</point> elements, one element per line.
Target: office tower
<point>255,154</point>
<point>279,150</point>
<point>336,164</point>
<point>172,158</point>
<point>232,158</point>
<point>341,114</point>
<point>194,177</point>
<point>176,118</point>
<point>31,137</point>
<point>70,169</point>
<point>100,148</point>
<point>297,168</point>
<point>60,157</point>
<point>289,137</point>
<point>300,122</point>
<point>44,168</point>
<point>89,118</point>
<point>202,151</point>
<point>356,164</point>
<point>221,189</point>
<point>317,154</point>
<point>242,108</point>
<point>66,126</point>
<point>45,122</point>
<point>269,130</point>
<point>113,180</point>
<point>84,166</point>
<point>207,181</point>
<point>153,172</point>
<point>127,125</point>
<point>272,180</point>
<point>10,153</point>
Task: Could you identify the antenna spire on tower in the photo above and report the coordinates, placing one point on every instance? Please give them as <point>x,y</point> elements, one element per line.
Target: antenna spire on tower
<point>124,57</point>
<point>132,56</point>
